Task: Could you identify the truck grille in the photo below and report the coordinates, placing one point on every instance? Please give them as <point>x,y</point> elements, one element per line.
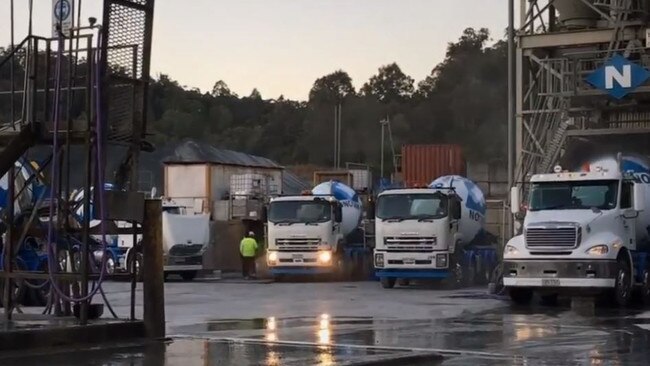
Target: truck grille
<point>556,237</point>
<point>297,243</point>
<point>412,243</point>
<point>185,250</point>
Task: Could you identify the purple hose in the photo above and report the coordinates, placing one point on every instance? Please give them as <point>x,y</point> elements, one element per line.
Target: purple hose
<point>54,180</point>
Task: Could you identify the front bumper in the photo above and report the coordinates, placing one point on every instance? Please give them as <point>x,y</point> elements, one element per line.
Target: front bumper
<point>559,273</point>
<point>300,260</point>
<point>411,260</point>
<point>189,263</point>
<point>411,265</point>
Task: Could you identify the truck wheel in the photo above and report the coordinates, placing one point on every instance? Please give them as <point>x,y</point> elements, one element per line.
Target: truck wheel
<point>188,275</point>
<point>135,259</point>
<point>623,287</point>
<point>387,282</point>
<point>521,296</point>
<point>645,289</point>
<point>457,275</point>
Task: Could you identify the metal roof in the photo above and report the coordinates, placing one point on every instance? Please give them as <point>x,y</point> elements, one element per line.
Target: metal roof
<point>194,152</point>
<point>190,151</point>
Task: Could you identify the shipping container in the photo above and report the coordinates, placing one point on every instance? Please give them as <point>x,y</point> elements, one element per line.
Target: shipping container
<point>421,164</point>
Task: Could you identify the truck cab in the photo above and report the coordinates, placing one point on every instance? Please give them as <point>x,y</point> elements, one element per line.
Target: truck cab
<point>416,234</point>
<point>304,235</point>
<point>584,232</point>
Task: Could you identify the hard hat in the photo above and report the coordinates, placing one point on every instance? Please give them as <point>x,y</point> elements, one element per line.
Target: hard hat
<point>250,233</point>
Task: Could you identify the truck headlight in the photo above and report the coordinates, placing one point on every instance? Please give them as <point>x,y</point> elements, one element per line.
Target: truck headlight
<point>272,257</point>
<point>325,256</point>
<point>598,250</point>
<point>510,250</point>
<point>441,260</point>
<point>379,260</point>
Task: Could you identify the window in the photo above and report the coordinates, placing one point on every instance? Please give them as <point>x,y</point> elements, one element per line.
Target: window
<point>412,206</point>
<point>626,195</point>
<point>573,195</point>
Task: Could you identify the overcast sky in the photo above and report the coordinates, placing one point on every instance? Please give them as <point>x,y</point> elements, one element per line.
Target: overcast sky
<point>282,46</point>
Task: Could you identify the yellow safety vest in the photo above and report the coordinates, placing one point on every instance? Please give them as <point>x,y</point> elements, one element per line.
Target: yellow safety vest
<point>248,247</point>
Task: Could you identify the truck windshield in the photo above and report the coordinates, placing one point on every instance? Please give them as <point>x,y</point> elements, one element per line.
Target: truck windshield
<point>577,195</point>
<point>412,206</point>
<point>300,212</point>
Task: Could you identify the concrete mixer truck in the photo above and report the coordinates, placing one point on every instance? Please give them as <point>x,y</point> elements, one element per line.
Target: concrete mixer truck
<point>425,233</point>
<point>585,232</point>
<point>310,234</point>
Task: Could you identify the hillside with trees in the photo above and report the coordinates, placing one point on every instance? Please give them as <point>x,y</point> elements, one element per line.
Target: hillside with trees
<point>462,101</point>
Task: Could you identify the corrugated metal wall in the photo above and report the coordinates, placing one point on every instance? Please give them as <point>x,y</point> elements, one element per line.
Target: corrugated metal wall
<point>421,164</point>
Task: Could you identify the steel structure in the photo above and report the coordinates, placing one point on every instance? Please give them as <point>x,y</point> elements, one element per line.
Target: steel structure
<point>73,94</point>
<point>559,116</point>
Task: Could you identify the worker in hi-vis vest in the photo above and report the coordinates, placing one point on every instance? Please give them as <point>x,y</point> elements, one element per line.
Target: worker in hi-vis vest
<point>248,249</point>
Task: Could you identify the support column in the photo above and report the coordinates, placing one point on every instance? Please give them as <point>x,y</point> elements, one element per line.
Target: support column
<point>154,286</point>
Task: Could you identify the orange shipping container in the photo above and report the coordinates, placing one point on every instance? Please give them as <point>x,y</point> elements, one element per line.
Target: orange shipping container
<point>421,164</point>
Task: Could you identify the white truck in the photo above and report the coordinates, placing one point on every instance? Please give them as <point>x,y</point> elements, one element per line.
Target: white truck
<point>584,232</point>
<point>307,234</point>
<point>185,239</point>
<point>422,233</point>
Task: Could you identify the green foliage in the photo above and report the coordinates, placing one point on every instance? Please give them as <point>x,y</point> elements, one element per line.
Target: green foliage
<point>462,101</point>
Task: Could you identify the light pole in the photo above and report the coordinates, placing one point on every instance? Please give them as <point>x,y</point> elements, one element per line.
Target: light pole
<point>383,124</point>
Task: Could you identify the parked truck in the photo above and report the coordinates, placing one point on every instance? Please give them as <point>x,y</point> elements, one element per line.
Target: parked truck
<point>432,233</point>
<point>584,232</point>
<point>312,234</point>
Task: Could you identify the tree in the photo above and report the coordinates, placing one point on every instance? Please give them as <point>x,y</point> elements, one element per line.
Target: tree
<point>332,87</point>
<point>221,89</point>
<point>389,85</point>
<point>255,94</point>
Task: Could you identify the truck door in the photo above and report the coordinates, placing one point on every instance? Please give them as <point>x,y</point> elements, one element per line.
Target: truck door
<point>629,215</point>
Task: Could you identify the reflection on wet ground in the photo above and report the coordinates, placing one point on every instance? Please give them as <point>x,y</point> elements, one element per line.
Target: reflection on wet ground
<point>501,336</point>
<point>540,336</point>
<point>189,352</point>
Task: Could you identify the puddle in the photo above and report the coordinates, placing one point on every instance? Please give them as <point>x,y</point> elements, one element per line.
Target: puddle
<point>212,353</point>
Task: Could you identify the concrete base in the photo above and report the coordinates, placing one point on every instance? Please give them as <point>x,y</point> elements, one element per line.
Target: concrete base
<point>38,331</point>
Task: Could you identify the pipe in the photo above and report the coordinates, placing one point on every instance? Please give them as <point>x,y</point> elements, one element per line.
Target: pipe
<point>54,178</point>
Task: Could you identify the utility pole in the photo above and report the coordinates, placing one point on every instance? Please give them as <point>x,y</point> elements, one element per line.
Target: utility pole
<point>511,103</point>
<point>383,124</point>
<point>338,111</point>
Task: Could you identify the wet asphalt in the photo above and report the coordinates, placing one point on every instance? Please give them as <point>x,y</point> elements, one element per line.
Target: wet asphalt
<point>221,323</point>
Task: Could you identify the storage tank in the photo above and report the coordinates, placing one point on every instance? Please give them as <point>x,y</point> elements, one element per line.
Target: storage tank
<point>473,207</point>
<point>575,14</point>
<point>352,206</point>
<point>421,164</point>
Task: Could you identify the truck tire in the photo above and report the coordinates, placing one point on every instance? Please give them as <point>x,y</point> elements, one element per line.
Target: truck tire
<point>645,289</point>
<point>188,275</point>
<point>457,275</point>
<point>521,296</point>
<point>137,257</point>
<point>387,282</point>
<point>623,286</point>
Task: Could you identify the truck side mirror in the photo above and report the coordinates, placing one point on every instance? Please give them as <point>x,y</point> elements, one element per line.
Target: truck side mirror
<point>455,209</point>
<point>338,213</point>
<point>370,213</point>
<point>639,197</point>
<point>265,213</point>
<point>515,201</point>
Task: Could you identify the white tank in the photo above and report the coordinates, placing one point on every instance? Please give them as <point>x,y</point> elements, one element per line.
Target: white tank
<point>640,167</point>
<point>472,219</point>
<point>349,199</point>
